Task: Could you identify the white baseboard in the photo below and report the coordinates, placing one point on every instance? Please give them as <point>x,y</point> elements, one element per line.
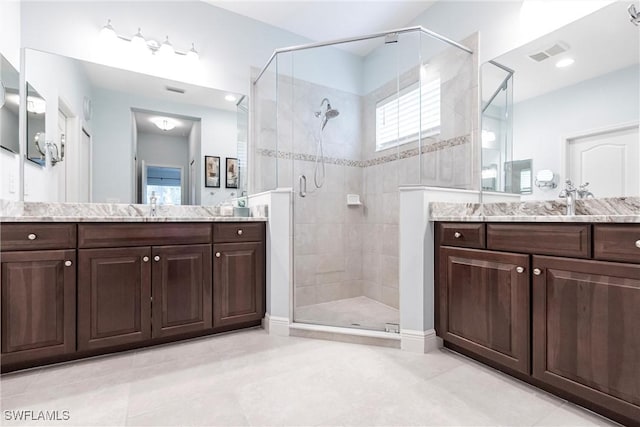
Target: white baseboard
<point>419,341</point>
<point>276,325</point>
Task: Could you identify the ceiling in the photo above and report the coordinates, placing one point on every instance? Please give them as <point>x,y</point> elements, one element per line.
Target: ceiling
<point>120,80</point>
<point>599,43</point>
<point>144,124</point>
<point>328,20</point>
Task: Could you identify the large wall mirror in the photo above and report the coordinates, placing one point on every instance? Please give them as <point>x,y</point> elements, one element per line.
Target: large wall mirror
<point>9,106</point>
<point>115,136</point>
<point>571,105</point>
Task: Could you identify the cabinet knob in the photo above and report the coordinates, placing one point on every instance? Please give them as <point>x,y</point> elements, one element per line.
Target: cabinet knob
<point>32,236</point>
<point>638,244</point>
<point>457,235</point>
<point>520,269</point>
<point>145,259</point>
<point>240,232</point>
<point>156,258</point>
<point>537,271</point>
<point>68,263</point>
<point>217,254</point>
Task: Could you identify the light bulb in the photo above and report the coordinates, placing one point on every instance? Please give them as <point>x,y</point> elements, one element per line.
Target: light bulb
<point>166,49</point>
<point>565,62</point>
<point>192,55</point>
<point>164,123</point>
<point>138,42</point>
<point>230,98</point>
<point>107,33</point>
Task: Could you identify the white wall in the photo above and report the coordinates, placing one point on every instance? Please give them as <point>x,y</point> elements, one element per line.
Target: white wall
<point>541,123</point>
<point>504,25</point>
<point>228,43</point>
<point>10,31</point>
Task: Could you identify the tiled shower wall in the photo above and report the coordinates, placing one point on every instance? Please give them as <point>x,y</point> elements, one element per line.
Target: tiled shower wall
<point>342,251</point>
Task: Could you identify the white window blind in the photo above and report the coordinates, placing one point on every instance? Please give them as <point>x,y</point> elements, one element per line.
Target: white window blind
<point>399,117</point>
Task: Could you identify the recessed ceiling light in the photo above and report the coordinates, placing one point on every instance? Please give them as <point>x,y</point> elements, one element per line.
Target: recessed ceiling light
<point>230,98</point>
<point>565,62</point>
<point>164,123</point>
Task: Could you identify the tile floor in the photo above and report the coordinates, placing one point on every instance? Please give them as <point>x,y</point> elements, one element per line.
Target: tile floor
<point>361,312</point>
<point>251,378</point>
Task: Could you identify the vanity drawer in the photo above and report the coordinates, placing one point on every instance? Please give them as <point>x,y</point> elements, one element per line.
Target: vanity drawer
<point>466,235</point>
<point>617,242</point>
<point>230,232</point>
<point>543,239</point>
<point>35,236</point>
<point>120,235</point>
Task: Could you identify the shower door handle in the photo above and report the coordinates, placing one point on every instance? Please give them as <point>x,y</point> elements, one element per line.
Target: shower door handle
<point>303,186</point>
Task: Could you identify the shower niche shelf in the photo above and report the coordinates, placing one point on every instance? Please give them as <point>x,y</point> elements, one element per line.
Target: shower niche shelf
<point>353,200</point>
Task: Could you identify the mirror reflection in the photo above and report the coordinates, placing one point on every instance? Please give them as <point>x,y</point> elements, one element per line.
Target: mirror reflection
<point>575,106</point>
<point>117,136</point>
<point>9,106</point>
<point>36,136</point>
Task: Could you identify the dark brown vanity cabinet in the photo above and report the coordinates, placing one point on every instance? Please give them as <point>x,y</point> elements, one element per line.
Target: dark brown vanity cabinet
<point>38,284</point>
<point>238,273</point>
<point>133,294</point>
<point>484,304</point>
<point>584,335</point>
<point>586,330</point>
<point>133,285</point>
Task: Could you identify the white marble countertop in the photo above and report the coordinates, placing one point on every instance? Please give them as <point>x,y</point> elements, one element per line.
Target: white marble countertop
<point>130,219</point>
<point>607,210</point>
<point>11,211</point>
<point>538,218</point>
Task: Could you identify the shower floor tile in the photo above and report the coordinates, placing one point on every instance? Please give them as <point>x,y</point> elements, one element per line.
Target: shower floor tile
<point>359,312</point>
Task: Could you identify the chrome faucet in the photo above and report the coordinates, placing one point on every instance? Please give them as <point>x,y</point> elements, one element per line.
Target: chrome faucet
<point>569,193</point>
<point>583,192</point>
<point>153,200</point>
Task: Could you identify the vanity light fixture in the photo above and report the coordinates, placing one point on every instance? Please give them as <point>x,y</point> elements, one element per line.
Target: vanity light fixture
<point>565,62</point>
<point>107,32</point>
<point>164,123</point>
<point>230,98</point>
<point>165,49</point>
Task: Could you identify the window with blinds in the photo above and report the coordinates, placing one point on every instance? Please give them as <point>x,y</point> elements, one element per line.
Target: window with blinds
<point>399,117</point>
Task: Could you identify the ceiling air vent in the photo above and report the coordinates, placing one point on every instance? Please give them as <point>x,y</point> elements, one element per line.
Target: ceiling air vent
<point>554,50</point>
<point>175,89</point>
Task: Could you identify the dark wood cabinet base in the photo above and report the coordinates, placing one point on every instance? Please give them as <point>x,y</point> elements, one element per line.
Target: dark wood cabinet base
<point>602,410</point>
<point>126,347</point>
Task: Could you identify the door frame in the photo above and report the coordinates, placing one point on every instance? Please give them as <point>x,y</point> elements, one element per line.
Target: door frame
<point>566,141</point>
<point>143,178</point>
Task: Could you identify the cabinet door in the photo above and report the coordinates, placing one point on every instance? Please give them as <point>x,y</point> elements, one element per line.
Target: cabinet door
<point>38,304</point>
<point>181,289</point>
<point>238,283</point>
<point>586,330</point>
<point>484,304</point>
<point>114,296</point>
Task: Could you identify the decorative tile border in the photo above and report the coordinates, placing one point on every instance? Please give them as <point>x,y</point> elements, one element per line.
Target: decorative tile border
<point>405,154</point>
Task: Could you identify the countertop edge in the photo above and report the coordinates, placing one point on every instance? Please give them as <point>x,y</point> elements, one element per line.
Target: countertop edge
<point>539,218</point>
<point>7,219</point>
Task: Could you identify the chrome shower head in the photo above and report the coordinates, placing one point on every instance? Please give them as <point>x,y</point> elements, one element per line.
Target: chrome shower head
<point>330,113</point>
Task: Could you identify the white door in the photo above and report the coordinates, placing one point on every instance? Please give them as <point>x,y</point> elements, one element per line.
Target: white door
<point>608,161</point>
